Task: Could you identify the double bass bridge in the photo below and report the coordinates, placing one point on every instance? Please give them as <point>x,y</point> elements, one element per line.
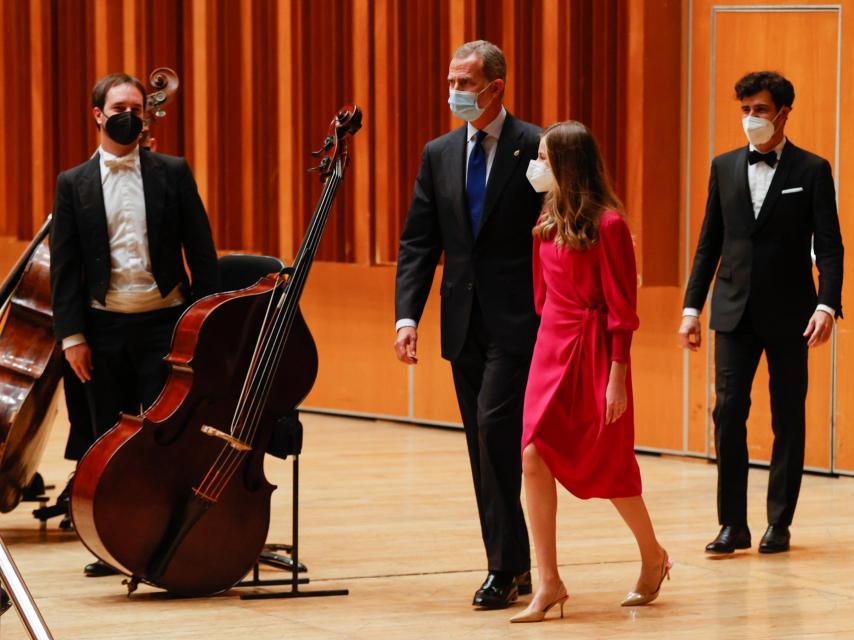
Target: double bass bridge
<point>233,442</point>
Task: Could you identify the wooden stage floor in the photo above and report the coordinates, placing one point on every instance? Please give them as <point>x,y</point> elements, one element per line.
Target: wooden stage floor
<point>388,512</point>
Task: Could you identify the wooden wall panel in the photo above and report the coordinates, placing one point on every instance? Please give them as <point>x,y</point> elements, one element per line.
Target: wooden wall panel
<point>262,78</point>
<point>844,339</point>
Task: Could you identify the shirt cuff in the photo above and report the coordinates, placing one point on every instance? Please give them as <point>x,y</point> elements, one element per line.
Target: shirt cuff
<point>405,322</point>
<point>826,309</point>
<point>690,311</point>
<point>73,341</point>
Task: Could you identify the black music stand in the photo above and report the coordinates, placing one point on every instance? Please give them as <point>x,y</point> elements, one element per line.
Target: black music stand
<point>289,435</point>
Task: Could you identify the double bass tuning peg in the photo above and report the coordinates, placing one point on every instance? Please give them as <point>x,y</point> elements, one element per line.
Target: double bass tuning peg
<point>328,141</point>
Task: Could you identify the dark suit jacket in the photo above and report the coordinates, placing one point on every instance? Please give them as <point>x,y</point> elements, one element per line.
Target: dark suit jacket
<point>80,247</point>
<point>767,259</point>
<point>496,266</point>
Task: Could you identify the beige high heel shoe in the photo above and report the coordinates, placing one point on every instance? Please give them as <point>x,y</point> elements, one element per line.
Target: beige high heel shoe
<point>539,616</point>
<point>636,598</point>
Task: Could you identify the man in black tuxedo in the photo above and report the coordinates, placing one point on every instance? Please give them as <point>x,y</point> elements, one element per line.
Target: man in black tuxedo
<point>123,222</point>
<point>473,202</point>
<point>769,205</point>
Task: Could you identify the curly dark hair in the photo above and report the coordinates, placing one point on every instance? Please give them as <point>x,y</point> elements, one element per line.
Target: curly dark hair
<point>782,91</point>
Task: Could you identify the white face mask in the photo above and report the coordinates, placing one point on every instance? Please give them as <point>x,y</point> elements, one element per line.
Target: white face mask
<point>540,176</point>
<point>759,130</point>
<point>464,103</point>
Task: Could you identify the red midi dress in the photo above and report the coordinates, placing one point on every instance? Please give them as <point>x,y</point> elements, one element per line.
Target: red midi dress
<point>587,301</point>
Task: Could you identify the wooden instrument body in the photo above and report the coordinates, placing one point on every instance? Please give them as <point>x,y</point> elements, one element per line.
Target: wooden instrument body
<point>30,370</point>
<point>136,479</point>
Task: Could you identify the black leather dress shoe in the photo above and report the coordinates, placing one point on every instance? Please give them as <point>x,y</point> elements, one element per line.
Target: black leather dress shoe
<point>775,540</point>
<point>523,584</point>
<point>99,569</point>
<point>730,538</point>
<point>498,591</point>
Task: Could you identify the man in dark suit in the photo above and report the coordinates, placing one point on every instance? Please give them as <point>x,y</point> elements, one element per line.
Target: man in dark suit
<point>473,202</point>
<point>123,223</point>
<point>770,205</point>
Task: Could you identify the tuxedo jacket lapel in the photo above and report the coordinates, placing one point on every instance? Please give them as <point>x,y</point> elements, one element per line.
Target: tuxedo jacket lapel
<point>503,165</point>
<point>454,165</point>
<point>93,213</point>
<point>152,187</point>
<point>742,186</point>
<point>784,166</point>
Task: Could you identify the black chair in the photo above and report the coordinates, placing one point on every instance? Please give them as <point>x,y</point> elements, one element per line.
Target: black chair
<point>241,270</point>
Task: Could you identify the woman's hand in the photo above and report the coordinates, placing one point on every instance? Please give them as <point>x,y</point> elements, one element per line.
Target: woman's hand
<point>616,400</point>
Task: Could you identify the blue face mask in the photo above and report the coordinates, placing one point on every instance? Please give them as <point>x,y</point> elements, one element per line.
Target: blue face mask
<point>464,104</point>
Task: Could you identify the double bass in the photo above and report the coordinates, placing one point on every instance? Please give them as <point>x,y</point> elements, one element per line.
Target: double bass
<point>30,369</point>
<point>177,497</point>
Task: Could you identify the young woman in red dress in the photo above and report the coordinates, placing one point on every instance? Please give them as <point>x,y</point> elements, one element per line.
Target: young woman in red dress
<point>578,420</point>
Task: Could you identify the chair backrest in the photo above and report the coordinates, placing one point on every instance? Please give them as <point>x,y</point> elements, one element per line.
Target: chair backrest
<point>241,270</point>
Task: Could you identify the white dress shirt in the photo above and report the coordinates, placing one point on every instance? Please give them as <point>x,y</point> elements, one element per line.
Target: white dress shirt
<point>132,287</point>
<point>759,177</point>
<point>490,144</point>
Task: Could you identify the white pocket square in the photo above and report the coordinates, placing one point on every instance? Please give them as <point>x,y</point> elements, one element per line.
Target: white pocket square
<point>792,190</point>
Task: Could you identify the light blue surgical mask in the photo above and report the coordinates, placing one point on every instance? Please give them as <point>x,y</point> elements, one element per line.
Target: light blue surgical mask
<point>464,104</point>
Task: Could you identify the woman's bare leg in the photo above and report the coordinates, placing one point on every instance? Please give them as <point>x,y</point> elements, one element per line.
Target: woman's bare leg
<point>541,496</point>
<point>653,556</point>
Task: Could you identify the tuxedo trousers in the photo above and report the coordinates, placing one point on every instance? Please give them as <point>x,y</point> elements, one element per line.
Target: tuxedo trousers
<point>128,371</point>
<point>490,387</point>
<point>737,355</point>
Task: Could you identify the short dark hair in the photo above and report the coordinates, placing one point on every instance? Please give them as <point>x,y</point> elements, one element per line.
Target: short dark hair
<point>491,57</point>
<point>782,91</point>
<point>103,86</point>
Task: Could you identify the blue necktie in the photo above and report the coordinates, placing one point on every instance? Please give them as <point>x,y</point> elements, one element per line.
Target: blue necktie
<point>476,181</point>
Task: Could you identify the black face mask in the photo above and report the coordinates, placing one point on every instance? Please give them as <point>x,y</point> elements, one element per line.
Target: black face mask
<point>124,127</point>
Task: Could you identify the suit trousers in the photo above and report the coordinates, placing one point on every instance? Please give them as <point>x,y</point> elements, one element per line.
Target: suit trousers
<point>128,369</point>
<point>490,387</point>
<point>737,355</point>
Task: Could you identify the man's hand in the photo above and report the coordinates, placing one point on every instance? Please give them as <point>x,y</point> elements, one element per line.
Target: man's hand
<point>689,333</point>
<point>404,346</point>
<point>819,328</point>
<point>80,358</point>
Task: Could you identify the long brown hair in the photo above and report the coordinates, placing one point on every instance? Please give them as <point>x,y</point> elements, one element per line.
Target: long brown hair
<point>582,189</point>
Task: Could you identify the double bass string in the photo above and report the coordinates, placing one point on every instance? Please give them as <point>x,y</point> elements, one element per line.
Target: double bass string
<point>259,377</point>
<point>265,328</point>
<point>284,320</point>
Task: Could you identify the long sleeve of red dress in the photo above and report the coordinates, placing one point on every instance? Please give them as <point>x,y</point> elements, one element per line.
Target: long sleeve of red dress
<point>619,285</point>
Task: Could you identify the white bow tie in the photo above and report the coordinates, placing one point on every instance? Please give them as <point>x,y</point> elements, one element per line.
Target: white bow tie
<point>118,164</point>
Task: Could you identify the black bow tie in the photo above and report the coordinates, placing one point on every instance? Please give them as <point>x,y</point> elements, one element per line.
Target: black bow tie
<point>769,158</point>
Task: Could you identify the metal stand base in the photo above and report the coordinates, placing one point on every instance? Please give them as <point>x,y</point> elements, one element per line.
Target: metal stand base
<point>295,594</point>
<point>294,562</point>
